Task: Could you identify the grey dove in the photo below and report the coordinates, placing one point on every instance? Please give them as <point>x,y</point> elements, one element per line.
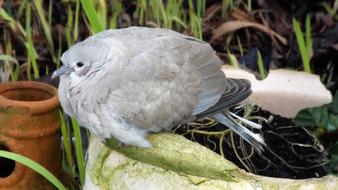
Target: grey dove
<point>126,83</point>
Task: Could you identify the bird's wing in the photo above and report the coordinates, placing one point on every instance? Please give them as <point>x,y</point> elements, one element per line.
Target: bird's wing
<point>169,78</point>
<point>239,90</point>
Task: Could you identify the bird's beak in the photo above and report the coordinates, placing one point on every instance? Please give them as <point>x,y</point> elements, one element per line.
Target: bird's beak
<point>62,70</point>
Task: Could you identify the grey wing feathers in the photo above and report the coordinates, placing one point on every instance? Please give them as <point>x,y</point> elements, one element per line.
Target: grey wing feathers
<point>213,90</point>
<point>213,78</point>
<point>239,90</point>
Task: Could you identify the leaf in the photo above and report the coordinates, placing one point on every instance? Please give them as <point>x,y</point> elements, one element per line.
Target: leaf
<point>34,166</point>
<point>44,24</point>
<point>320,115</point>
<point>333,158</point>
<point>302,46</point>
<point>335,46</point>
<point>8,58</point>
<point>305,118</point>
<point>332,124</point>
<point>232,26</point>
<point>334,149</point>
<point>93,17</point>
<point>335,103</point>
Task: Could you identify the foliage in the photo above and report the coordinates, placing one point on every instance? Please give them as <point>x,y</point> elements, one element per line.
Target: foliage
<point>305,46</point>
<point>96,24</point>
<point>322,120</point>
<point>79,150</point>
<point>324,117</point>
<point>260,63</point>
<point>332,164</point>
<point>66,130</point>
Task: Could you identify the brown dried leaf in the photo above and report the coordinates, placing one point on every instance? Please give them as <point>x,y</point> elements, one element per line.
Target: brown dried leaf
<point>232,26</point>
<point>238,14</point>
<point>335,47</point>
<point>212,11</point>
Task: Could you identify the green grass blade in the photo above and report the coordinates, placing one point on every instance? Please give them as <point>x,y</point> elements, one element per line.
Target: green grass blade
<point>178,15</point>
<point>67,144</point>
<point>232,59</point>
<point>59,52</point>
<point>15,26</point>
<point>332,11</point>
<point>195,21</point>
<point>50,10</point>
<point>32,56</point>
<point>335,6</point>
<point>200,8</point>
<point>7,58</point>
<point>79,150</point>
<point>249,5</point>
<point>92,16</point>
<point>34,166</point>
<point>101,10</point>
<point>308,36</point>
<point>164,15</point>
<point>68,27</point>
<point>261,65</point>
<point>240,46</point>
<point>47,70</point>
<point>21,9</point>
<point>76,22</point>
<point>301,45</point>
<point>226,6</point>
<point>155,11</point>
<point>14,69</point>
<point>179,21</point>
<point>31,52</point>
<point>45,27</point>
<point>196,26</point>
<point>141,8</point>
<point>117,10</point>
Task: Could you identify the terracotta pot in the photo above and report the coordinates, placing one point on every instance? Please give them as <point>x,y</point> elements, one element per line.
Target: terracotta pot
<point>29,126</point>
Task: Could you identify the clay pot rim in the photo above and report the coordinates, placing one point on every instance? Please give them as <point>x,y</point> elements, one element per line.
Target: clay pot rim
<point>35,107</point>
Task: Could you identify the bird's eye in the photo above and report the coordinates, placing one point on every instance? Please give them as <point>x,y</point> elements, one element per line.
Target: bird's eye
<point>79,64</point>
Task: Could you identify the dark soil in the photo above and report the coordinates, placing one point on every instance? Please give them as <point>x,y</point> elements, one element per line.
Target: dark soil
<point>291,151</point>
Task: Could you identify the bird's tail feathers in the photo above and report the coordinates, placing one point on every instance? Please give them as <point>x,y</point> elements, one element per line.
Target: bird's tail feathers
<point>254,139</point>
<point>247,122</point>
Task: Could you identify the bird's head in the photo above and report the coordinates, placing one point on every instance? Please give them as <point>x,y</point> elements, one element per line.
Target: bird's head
<point>86,58</point>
